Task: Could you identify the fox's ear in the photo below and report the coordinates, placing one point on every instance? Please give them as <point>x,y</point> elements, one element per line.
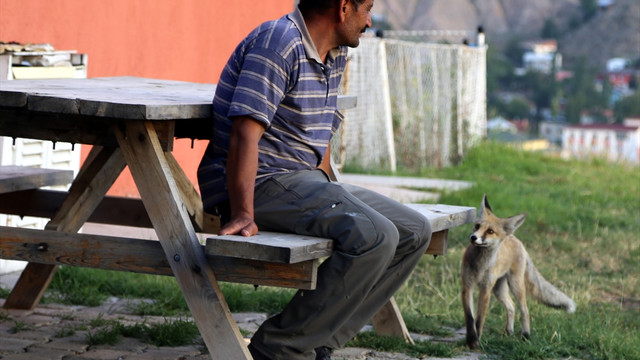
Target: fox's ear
<point>486,208</point>
<point>514,222</point>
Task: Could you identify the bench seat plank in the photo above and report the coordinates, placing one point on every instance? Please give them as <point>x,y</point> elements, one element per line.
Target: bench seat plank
<point>293,248</point>
<point>445,217</point>
<point>17,178</point>
<point>270,246</point>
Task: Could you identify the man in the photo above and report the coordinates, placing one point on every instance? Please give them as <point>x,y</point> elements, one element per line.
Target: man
<point>274,114</point>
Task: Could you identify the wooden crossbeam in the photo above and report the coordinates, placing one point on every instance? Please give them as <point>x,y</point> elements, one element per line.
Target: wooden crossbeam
<point>17,178</point>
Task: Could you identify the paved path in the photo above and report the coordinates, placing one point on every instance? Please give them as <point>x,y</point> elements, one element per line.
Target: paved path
<point>406,189</point>
<point>60,332</point>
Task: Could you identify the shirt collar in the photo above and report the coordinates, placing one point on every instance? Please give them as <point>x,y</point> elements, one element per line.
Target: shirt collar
<point>307,42</point>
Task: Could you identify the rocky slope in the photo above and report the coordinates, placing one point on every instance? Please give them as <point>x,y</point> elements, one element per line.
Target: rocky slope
<point>611,33</point>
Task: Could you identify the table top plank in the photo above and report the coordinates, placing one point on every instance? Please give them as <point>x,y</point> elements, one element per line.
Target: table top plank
<point>118,97</point>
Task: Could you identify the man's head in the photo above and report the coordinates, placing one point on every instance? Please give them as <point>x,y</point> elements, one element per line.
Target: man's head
<point>322,5</point>
<point>351,17</point>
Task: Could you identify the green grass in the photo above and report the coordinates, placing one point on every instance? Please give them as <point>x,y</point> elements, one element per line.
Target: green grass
<point>170,333</point>
<point>582,232</point>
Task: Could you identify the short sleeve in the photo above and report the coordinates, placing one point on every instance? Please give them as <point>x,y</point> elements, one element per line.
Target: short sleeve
<point>261,86</point>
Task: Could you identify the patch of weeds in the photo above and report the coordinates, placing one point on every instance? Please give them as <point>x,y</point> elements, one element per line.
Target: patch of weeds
<point>77,295</point>
<point>65,331</point>
<point>168,306</point>
<point>99,321</point>
<point>4,293</point>
<point>169,333</point>
<point>425,324</point>
<point>19,326</point>
<point>67,317</point>
<point>398,345</point>
<point>172,333</point>
<point>4,316</point>
<point>110,335</point>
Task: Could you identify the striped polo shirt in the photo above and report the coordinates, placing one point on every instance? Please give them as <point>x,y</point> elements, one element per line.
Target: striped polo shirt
<point>276,77</point>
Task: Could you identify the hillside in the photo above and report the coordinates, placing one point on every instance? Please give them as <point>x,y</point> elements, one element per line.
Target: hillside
<point>612,33</point>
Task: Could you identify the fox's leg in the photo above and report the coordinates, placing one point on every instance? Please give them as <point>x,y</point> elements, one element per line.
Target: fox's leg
<point>517,286</point>
<point>484,297</point>
<point>501,291</point>
<point>467,305</point>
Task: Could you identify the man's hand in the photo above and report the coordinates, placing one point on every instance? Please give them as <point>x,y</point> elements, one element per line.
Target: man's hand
<point>243,225</point>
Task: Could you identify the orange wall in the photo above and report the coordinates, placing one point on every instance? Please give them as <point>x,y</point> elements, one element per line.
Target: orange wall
<point>188,40</point>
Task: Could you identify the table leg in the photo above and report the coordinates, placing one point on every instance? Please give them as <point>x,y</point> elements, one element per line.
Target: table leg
<point>190,197</point>
<point>98,173</point>
<point>162,199</point>
<point>388,321</point>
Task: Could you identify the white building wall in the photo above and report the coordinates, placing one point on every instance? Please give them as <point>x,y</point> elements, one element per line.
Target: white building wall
<point>612,144</point>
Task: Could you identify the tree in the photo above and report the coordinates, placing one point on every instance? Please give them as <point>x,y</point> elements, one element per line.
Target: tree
<point>589,9</point>
<point>514,51</point>
<point>499,70</point>
<point>582,94</point>
<point>627,107</point>
<point>550,30</point>
<point>518,109</point>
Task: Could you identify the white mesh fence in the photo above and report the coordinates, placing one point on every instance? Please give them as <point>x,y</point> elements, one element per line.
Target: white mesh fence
<point>419,105</point>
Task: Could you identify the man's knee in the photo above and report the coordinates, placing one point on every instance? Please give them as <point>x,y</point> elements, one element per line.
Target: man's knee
<point>364,235</point>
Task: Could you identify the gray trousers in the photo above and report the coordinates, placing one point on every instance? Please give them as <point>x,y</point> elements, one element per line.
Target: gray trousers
<point>378,242</point>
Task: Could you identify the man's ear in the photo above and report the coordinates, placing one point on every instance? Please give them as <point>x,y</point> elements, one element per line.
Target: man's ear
<point>343,10</point>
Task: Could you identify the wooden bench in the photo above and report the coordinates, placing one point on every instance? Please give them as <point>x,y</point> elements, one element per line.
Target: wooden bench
<point>296,250</point>
<point>269,259</point>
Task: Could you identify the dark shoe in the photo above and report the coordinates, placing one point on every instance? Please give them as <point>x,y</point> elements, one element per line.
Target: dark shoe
<point>323,353</point>
<point>257,355</point>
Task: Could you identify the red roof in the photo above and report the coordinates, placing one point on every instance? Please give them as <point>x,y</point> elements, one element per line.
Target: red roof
<point>614,127</point>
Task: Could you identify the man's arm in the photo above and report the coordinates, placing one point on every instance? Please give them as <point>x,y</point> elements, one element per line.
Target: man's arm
<point>325,165</point>
<point>242,167</point>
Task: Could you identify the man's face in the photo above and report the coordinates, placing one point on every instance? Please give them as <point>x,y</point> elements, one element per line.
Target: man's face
<point>356,22</point>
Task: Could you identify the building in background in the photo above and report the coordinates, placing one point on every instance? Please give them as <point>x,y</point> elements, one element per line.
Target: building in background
<point>611,141</point>
<point>541,56</point>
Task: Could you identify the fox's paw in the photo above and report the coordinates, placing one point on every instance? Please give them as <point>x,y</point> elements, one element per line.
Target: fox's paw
<point>472,342</point>
<point>526,335</point>
<point>473,345</point>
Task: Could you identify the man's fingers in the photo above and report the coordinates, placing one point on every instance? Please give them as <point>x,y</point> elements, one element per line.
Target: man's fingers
<point>239,228</point>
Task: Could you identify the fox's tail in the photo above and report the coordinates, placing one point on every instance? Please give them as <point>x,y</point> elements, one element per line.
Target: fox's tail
<point>545,292</point>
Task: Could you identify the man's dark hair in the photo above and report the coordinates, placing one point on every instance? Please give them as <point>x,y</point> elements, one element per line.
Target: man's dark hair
<point>322,5</point>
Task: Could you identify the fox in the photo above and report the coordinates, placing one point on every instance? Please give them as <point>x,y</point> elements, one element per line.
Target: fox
<point>496,260</point>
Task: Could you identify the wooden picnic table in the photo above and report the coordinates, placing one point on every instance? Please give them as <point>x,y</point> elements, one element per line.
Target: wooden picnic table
<point>133,122</point>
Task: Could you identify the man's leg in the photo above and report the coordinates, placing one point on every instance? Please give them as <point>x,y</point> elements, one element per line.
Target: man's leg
<point>415,235</point>
<point>366,243</point>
